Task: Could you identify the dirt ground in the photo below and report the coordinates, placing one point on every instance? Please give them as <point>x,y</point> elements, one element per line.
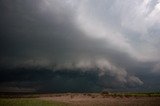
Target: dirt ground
<point>100,100</point>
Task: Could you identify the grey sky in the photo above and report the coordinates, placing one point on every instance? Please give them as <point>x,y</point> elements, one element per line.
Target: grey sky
<point>111,38</point>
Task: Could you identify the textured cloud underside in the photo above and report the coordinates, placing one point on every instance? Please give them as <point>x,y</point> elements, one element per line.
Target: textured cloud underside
<point>119,39</point>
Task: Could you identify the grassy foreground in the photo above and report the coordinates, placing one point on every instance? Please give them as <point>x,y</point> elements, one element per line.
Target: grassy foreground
<point>29,102</point>
<point>81,99</point>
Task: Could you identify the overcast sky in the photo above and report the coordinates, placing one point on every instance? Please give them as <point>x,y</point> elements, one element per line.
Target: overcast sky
<point>90,45</point>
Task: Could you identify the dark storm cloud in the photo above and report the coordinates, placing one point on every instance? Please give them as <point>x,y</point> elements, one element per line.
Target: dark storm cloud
<point>26,28</point>
<point>108,44</point>
<point>46,80</point>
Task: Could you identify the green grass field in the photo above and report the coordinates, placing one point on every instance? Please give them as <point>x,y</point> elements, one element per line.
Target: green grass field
<point>29,102</point>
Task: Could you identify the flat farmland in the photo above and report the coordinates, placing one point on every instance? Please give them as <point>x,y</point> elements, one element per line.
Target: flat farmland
<point>105,100</point>
<point>81,99</point>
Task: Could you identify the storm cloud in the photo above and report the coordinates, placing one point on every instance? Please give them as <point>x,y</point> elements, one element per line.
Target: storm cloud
<point>93,45</point>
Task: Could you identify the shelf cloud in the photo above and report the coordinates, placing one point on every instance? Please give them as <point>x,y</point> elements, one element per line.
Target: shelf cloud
<point>107,44</point>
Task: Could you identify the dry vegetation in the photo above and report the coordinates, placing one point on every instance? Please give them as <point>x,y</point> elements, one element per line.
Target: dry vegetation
<point>99,99</point>
<point>105,99</point>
